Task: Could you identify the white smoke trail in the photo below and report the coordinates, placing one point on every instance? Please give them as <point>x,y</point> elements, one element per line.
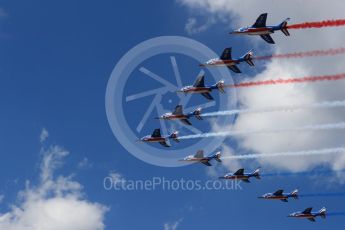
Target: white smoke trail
<point>283,154</point>
<point>340,125</point>
<point>319,105</point>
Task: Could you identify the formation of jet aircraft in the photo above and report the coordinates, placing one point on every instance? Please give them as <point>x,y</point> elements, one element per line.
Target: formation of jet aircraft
<point>225,60</point>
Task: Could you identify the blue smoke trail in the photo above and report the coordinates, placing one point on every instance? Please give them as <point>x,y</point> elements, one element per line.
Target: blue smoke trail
<point>336,214</point>
<point>323,194</point>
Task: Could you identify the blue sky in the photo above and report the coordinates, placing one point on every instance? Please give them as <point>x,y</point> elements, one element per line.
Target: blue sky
<point>55,62</point>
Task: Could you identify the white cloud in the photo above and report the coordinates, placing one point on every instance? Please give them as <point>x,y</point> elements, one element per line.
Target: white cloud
<point>55,203</point>
<point>244,13</point>
<point>173,225</point>
<point>44,135</point>
<point>116,177</point>
<point>3,13</point>
<point>84,163</point>
<point>192,26</point>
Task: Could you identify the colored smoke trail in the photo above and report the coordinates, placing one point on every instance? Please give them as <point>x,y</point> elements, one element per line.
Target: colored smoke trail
<point>289,81</point>
<point>289,154</point>
<point>323,194</point>
<point>319,127</point>
<point>319,105</point>
<point>314,53</point>
<point>335,214</point>
<point>321,24</point>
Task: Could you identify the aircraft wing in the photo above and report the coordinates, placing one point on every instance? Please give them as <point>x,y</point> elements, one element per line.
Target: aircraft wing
<point>239,172</point>
<point>311,219</point>
<point>226,55</point>
<point>279,192</point>
<point>178,110</point>
<point>199,154</point>
<point>199,82</point>
<point>260,21</point>
<point>267,38</point>
<point>284,200</point>
<point>234,68</point>
<point>208,96</point>
<point>164,144</point>
<point>307,211</point>
<point>186,121</point>
<point>246,180</point>
<point>156,133</point>
<point>206,163</point>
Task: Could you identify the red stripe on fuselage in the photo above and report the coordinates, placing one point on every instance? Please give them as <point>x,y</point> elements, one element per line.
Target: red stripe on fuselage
<point>240,177</point>
<point>198,90</point>
<point>155,139</point>
<point>253,30</point>
<point>176,117</point>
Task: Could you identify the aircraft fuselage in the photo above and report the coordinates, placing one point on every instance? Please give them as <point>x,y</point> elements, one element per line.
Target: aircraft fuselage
<point>174,117</point>
<point>222,63</point>
<point>255,31</point>
<point>197,90</point>
<point>153,139</point>
<point>237,177</point>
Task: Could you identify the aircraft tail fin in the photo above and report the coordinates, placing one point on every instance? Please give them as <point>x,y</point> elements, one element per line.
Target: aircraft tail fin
<point>219,85</point>
<point>283,27</point>
<point>294,194</point>
<point>217,156</point>
<point>174,136</point>
<point>197,114</point>
<point>248,57</point>
<point>322,212</point>
<point>256,173</point>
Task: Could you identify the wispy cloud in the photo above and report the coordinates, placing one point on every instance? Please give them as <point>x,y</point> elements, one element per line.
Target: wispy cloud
<point>3,13</point>
<point>116,177</point>
<point>57,202</point>
<point>44,135</point>
<point>194,27</point>
<point>173,225</point>
<point>84,163</point>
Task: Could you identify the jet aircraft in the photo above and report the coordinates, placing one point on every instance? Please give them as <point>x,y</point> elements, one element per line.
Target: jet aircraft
<point>226,60</point>
<point>199,87</point>
<point>308,214</point>
<point>280,195</point>
<point>179,115</point>
<point>260,28</point>
<point>157,137</point>
<point>199,157</point>
<point>240,175</point>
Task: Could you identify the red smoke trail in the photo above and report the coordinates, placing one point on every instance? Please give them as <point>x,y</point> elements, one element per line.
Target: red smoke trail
<point>289,81</point>
<point>327,23</point>
<point>313,53</point>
